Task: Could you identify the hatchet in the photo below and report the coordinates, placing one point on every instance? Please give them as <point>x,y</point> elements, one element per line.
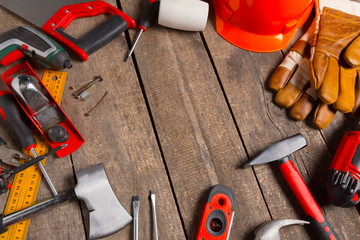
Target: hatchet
<point>107,215</point>
<point>280,152</point>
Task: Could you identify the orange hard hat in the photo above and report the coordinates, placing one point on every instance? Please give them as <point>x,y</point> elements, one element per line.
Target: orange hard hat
<point>261,25</point>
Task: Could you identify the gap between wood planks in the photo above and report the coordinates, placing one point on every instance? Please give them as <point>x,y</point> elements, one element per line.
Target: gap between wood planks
<point>133,57</point>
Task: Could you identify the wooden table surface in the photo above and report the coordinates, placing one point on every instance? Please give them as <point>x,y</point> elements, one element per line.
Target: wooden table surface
<point>184,114</point>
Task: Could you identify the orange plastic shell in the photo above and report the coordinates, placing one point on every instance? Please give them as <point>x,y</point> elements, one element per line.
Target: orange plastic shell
<point>261,25</point>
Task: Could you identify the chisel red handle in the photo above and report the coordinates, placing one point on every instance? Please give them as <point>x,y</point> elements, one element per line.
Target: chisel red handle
<point>306,200</point>
<point>10,111</point>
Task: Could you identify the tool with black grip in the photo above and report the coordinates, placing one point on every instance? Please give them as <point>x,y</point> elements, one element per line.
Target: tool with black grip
<point>279,152</point>
<point>152,8</point>
<point>107,215</point>
<point>4,177</point>
<point>343,181</point>
<point>26,41</point>
<point>10,111</point>
<point>218,215</point>
<point>54,16</point>
<point>42,109</point>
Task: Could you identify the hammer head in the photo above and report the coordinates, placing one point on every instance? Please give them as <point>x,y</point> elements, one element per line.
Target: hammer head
<point>280,150</point>
<point>271,230</point>
<point>107,216</point>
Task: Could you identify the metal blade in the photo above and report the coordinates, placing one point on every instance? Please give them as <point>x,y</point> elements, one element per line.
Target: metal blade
<point>37,12</point>
<point>107,215</point>
<point>280,150</point>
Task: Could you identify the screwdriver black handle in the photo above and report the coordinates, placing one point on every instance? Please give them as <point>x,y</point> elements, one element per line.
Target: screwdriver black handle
<point>12,114</point>
<point>152,7</point>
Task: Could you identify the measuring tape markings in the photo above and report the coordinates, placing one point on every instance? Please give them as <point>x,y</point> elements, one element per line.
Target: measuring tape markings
<point>26,183</point>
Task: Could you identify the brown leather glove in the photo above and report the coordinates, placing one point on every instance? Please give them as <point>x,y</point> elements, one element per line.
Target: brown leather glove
<point>334,64</point>
<point>292,81</point>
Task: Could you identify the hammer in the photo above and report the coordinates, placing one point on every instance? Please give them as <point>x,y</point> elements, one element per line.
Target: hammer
<point>271,230</point>
<point>279,152</point>
<point>107,216</point>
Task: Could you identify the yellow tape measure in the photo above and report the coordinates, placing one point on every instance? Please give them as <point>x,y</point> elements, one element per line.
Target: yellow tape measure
<point>26,183</point>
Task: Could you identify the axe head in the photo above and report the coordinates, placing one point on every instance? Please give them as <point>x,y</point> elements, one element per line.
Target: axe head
<point>107,216</point>
<point>280,150</point>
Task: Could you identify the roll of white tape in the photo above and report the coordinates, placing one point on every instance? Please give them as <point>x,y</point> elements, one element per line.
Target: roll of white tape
<point>188,15</point>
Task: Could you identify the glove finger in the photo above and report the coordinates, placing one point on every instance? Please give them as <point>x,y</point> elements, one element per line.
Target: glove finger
<point>287,96</point>
<point>329,89</point>
<point>356,110</point>
<point>346,99</point>
<point>323,115</point>
<point>301,109</point>
<point>318,68</point>
<point>280,77</point>
<point>352,53</point>
<point>285,70</point>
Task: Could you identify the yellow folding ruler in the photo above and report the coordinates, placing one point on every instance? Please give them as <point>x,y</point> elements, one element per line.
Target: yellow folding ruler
<point>26,183</point>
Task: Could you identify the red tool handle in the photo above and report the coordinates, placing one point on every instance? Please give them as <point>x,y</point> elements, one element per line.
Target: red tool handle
<point>97,37</point>
<point>11,57</point>
<point>307,201</point>
<point>10,111</point>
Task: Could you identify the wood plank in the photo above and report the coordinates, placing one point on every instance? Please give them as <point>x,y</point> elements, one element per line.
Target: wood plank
<point>244,76</point>
<point>68,216</point>
<point>197,134</point>
<point>120,135</point>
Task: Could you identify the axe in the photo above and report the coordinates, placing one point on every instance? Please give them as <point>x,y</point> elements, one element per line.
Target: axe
<point>279,152</point>
<point>107,216</point>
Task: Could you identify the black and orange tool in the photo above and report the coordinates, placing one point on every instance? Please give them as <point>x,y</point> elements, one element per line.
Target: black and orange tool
<point>152,8</point>
<point>279,152</point>
<point>343,182</point>
<point>218,214</point>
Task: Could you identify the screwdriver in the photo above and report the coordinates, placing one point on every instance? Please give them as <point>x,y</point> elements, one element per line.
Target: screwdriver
<point>11,113</point>
<point>152,7</point>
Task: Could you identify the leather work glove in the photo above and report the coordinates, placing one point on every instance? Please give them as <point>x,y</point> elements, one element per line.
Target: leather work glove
<point>292,77</point>
<point>292,81</point>
<point>334,65</point>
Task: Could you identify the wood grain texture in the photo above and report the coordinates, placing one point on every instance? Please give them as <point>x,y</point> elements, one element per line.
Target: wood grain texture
<point>67,216</point>
<point>197,134</point>
<point>119,134</point>
<point>184,114</point>
<point>244,76</point>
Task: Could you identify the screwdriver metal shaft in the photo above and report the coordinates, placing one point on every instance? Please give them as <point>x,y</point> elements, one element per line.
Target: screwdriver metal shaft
<point>46,176</point>
<point>133,46</point>
<point>136,208</point>
<point>152,8</point>
<point>153,206</point>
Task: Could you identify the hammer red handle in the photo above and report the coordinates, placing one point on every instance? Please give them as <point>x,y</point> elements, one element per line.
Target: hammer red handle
<point>307,201</point>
